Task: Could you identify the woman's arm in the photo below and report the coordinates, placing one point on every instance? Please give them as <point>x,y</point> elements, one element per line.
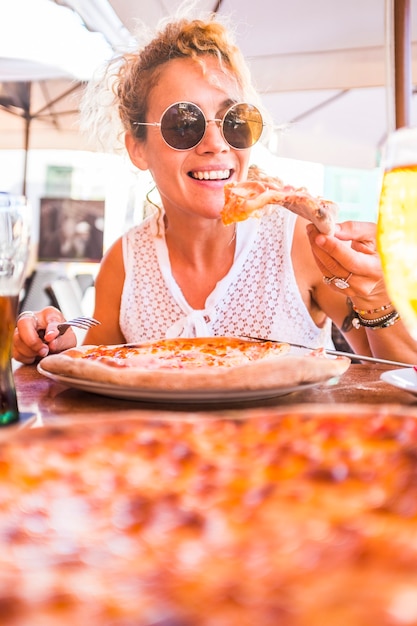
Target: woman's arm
<point>108,293</point>
<point>27,345</point>
<point>351,254</point>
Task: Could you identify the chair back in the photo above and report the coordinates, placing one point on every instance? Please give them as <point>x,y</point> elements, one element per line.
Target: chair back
<point>66,295</point>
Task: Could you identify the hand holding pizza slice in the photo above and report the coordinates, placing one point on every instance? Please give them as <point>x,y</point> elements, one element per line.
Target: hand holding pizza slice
<point>253,197</point>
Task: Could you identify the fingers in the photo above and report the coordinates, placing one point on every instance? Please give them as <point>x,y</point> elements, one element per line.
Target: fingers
<point>356,231</point>
<point>341,255</point>
<point>332,256</point>
<point>361,235</point>
<point>58,343</point>
<point>28,346</point>
<point>26,349</point>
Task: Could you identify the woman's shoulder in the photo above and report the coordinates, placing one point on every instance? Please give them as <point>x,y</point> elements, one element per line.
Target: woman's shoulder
<point>111,266</point>
<point>147,226</point>
<point>114,249</point>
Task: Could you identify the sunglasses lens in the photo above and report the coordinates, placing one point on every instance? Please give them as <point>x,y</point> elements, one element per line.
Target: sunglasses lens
<point>242,126</point>
<point>183,125</point>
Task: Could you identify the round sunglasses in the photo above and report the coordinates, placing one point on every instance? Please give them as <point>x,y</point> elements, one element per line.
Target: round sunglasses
<point>183,125</point>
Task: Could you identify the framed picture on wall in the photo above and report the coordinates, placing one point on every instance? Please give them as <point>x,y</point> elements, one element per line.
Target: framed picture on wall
<point>71,230</point>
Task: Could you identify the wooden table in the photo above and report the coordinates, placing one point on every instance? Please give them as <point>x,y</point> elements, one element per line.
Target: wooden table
<point>50,401</point>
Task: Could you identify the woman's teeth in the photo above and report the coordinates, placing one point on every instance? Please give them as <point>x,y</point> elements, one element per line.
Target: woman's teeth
<point>212,175</point>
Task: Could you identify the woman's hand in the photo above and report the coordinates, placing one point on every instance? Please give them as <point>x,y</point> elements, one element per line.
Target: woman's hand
<point>350,254</point>
<point>28,346</point>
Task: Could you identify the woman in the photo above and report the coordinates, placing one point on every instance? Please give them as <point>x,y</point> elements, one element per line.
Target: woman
<point>182,272</point>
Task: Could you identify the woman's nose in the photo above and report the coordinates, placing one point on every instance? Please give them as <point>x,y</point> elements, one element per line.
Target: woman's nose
<point>213,140</point>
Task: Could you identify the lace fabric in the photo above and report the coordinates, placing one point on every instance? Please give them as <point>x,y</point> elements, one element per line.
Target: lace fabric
<point>259,296</point>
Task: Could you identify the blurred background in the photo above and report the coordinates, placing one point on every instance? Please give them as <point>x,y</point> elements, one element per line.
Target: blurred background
<point>336,77</point>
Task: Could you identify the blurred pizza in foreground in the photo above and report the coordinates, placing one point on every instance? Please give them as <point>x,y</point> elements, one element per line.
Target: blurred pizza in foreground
<point>263,517</point>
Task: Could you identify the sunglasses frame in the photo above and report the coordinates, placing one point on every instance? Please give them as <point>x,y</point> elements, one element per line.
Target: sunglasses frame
<point>218,121</point>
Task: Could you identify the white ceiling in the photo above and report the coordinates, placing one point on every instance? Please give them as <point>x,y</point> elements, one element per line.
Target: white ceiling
<point>304,54</point>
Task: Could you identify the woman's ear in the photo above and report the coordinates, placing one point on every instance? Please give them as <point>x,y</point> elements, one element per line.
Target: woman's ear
<point>136,152</point>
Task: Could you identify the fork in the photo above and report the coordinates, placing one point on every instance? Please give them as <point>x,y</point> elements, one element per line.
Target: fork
<point>78,322</point>
<point>359,357</point>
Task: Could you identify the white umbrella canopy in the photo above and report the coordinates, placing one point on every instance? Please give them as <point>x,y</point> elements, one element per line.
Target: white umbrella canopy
<point>40,114</point>
<point>46,55</point>
<point>322,67</point>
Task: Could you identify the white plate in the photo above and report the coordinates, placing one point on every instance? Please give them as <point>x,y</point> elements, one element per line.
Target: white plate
<point>197,395</point>
<point>402,378</point>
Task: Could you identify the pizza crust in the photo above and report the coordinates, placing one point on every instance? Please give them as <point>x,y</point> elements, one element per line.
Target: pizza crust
<point>266,373</point>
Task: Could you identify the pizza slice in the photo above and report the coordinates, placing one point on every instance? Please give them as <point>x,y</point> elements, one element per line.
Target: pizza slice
<point>255,196</point>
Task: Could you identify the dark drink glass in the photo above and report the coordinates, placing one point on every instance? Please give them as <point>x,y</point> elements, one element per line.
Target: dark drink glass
<point>15,227</point>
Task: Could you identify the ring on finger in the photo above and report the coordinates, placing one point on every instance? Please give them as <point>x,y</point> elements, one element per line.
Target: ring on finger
<point>342,283</point>
<point>24,314</point>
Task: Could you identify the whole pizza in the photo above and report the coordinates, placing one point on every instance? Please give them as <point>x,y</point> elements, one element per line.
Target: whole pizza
<point>263,517</point>
<point>204,363</point>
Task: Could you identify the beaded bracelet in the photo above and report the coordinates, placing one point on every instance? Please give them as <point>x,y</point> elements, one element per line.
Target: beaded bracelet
<point>390,322</point>
<point>384,307</point>
<point>376,321</point>
<point>380,322</point>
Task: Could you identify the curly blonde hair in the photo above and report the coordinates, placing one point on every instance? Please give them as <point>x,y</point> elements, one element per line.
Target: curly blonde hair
<point>120,97</point>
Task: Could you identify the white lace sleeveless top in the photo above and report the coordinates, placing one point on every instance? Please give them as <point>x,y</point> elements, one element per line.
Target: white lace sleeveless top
<point>259,296</point>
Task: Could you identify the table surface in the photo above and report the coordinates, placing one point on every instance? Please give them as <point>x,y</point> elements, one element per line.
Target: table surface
<point>47,401</point>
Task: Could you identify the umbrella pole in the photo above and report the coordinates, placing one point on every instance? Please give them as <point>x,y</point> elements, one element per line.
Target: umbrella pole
<point>26,153</point>
<point>402,62</point>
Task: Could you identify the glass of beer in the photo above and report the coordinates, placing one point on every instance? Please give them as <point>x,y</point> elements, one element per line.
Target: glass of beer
<point>397,223</point>
<point>15,228</point>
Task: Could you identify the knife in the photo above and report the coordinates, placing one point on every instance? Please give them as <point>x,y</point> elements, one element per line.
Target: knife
<point>359,357</point>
